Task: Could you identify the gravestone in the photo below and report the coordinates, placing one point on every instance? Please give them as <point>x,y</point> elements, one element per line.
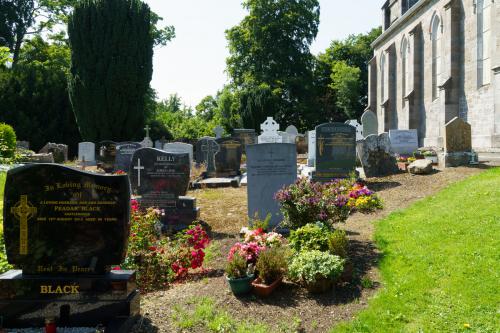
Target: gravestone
<point>64,229</point>
<point>86,153</point>
<point>292,130</point>
<point>270,132</point>
<point>124,153</point>
<point>228,159</point>
<point>301,143</point>
<point>370,123</point>
<point>376,155</point>
<point>105,154</point>
<point>270,167</point>
<point>161,180</point>
<point>159,144</point>
<point>245,136</point>
<point>311,148</point>
<point>359,128</point>
<point>404,142</point>
<point>210,148</point>
<point>335,151</point>
<point>59,151</point>
<point>199,155</point>
<point>219,131</point>
<point>180,147</point>
<point>146,143</point>
<point>457,143</point>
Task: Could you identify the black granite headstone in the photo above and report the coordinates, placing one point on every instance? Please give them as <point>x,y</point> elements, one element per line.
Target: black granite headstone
<point>124,153</point>
<point>245,136</point>
<point>199,155</point>
<point>335,151</point>
<point>228,159</point>
<point>65,228</point>
<point>105,155</point>
<point>161,180</point>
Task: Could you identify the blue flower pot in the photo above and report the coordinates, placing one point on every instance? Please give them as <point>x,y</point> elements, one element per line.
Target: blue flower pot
<point>241,286</point>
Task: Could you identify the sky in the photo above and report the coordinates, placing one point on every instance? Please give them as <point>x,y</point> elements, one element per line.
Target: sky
<point>192,65</point>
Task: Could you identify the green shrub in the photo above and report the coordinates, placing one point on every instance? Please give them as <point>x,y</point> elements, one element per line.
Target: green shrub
<point>236,267</point>
<point>311,266</point>
<point>310,237</point>
<point>338,243</point>
<point>7,141</point>
<point>272,264</point>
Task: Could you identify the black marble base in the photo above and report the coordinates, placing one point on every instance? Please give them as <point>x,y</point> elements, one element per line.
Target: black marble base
<point>74,301</point>
<point>177,219</point>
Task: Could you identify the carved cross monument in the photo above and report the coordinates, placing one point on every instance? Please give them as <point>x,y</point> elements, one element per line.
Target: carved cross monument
<point>139,167</point>
<point>210,148</point>
<point>23,211</point>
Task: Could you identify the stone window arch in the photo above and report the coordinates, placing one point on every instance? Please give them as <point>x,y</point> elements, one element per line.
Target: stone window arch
<point>405,67</point>
<point>383,76</point>
<point>436,39</point>
<point>483,13</point>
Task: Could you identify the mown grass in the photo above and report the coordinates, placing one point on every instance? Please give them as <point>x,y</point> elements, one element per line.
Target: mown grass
<point>441,264</point>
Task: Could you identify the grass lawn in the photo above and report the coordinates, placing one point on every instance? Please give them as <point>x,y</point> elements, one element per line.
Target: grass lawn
<point>441,264</point>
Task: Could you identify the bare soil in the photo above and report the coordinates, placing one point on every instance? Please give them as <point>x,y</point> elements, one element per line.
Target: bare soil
<point>225,211</point>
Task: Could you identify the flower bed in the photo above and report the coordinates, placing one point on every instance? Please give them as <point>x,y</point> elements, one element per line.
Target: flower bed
<point>161,260</point>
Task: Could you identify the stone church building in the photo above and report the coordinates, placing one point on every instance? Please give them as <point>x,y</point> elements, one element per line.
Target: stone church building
<point>436,60</point>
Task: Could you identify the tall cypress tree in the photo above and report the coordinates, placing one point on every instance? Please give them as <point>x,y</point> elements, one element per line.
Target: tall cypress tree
<point>111,67</point>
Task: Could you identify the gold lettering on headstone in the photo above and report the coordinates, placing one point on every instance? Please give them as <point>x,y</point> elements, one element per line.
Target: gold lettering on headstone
<point>321,146</point>
<point>23,211</point>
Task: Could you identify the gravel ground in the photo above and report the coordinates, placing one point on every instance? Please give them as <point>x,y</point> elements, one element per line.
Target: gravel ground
<point>317,313</point>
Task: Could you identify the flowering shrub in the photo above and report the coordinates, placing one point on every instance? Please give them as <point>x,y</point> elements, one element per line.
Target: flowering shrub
<point>263,239</point>
<point>309,202</point>
<point>311,266</point>
<point>249,251</point>
<point>160,261</point>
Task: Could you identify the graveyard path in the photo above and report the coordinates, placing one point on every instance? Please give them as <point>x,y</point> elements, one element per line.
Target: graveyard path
<point>225,211</point>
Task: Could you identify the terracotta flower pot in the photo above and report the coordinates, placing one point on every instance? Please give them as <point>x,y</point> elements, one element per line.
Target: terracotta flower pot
<point>320,286</point>
<point>403,166</point>
<point>241,286</point>
<point>264,290</point>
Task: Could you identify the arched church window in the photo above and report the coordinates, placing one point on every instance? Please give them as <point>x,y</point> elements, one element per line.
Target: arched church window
<point>436,37</point>
<point>483,42</point>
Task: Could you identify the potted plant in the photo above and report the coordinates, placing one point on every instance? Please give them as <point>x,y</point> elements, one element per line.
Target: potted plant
<point>402,162</point>
<point>271,266</point>
<point>431,155</point>
<point>239,274</point>
<point>317,270</point>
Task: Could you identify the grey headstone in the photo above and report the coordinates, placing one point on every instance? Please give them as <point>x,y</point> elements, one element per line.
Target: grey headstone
<point>335,151</point>
<point>86,152</point>
<point>311,148</point>
<point>147,142</point>
<point>59,151</point>
<point>23,144</point>
<point>210,148</point>
<point>404,142</point>
<point>199,155</point>
<point>218,131</point>
<point>287,137</point>
<point>179,147</point>
<point>292,130</point>
<point>159,144</point>
<point>370,123</point>
<point>245,136</point>
<point>376,156</point>
<point>270,167</point>
<point>228,159</point>
<point>270,130</point>
<point>124,153</point>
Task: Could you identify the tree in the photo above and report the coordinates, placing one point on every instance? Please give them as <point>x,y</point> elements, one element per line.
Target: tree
<point>270,48</point>
<point>355,52</point>
<point>21,18</point>
<point>111,67</point>
<point>347,84</point>
<point>34,96</point>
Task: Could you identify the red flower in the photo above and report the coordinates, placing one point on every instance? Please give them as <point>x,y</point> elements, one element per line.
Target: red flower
<point>116,268</point>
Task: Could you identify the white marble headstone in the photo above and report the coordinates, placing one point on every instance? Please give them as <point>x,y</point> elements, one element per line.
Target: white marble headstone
<point>311,148</point>
<point>179,147</point>
<point>147,142</point>
<point>404,142</point>
<point>270,132</point>
<point>359,128</point>
<point>86,151</point>
<point>370,123</point>
<point>219,131</point>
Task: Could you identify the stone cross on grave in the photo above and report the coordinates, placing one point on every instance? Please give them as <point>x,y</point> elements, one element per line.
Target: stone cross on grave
<point>147,129</point>
<point>210,148</point>
<point>139,167</point>
<point>23,211</point>
<point>270,126</point>
<point>218,132</point>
